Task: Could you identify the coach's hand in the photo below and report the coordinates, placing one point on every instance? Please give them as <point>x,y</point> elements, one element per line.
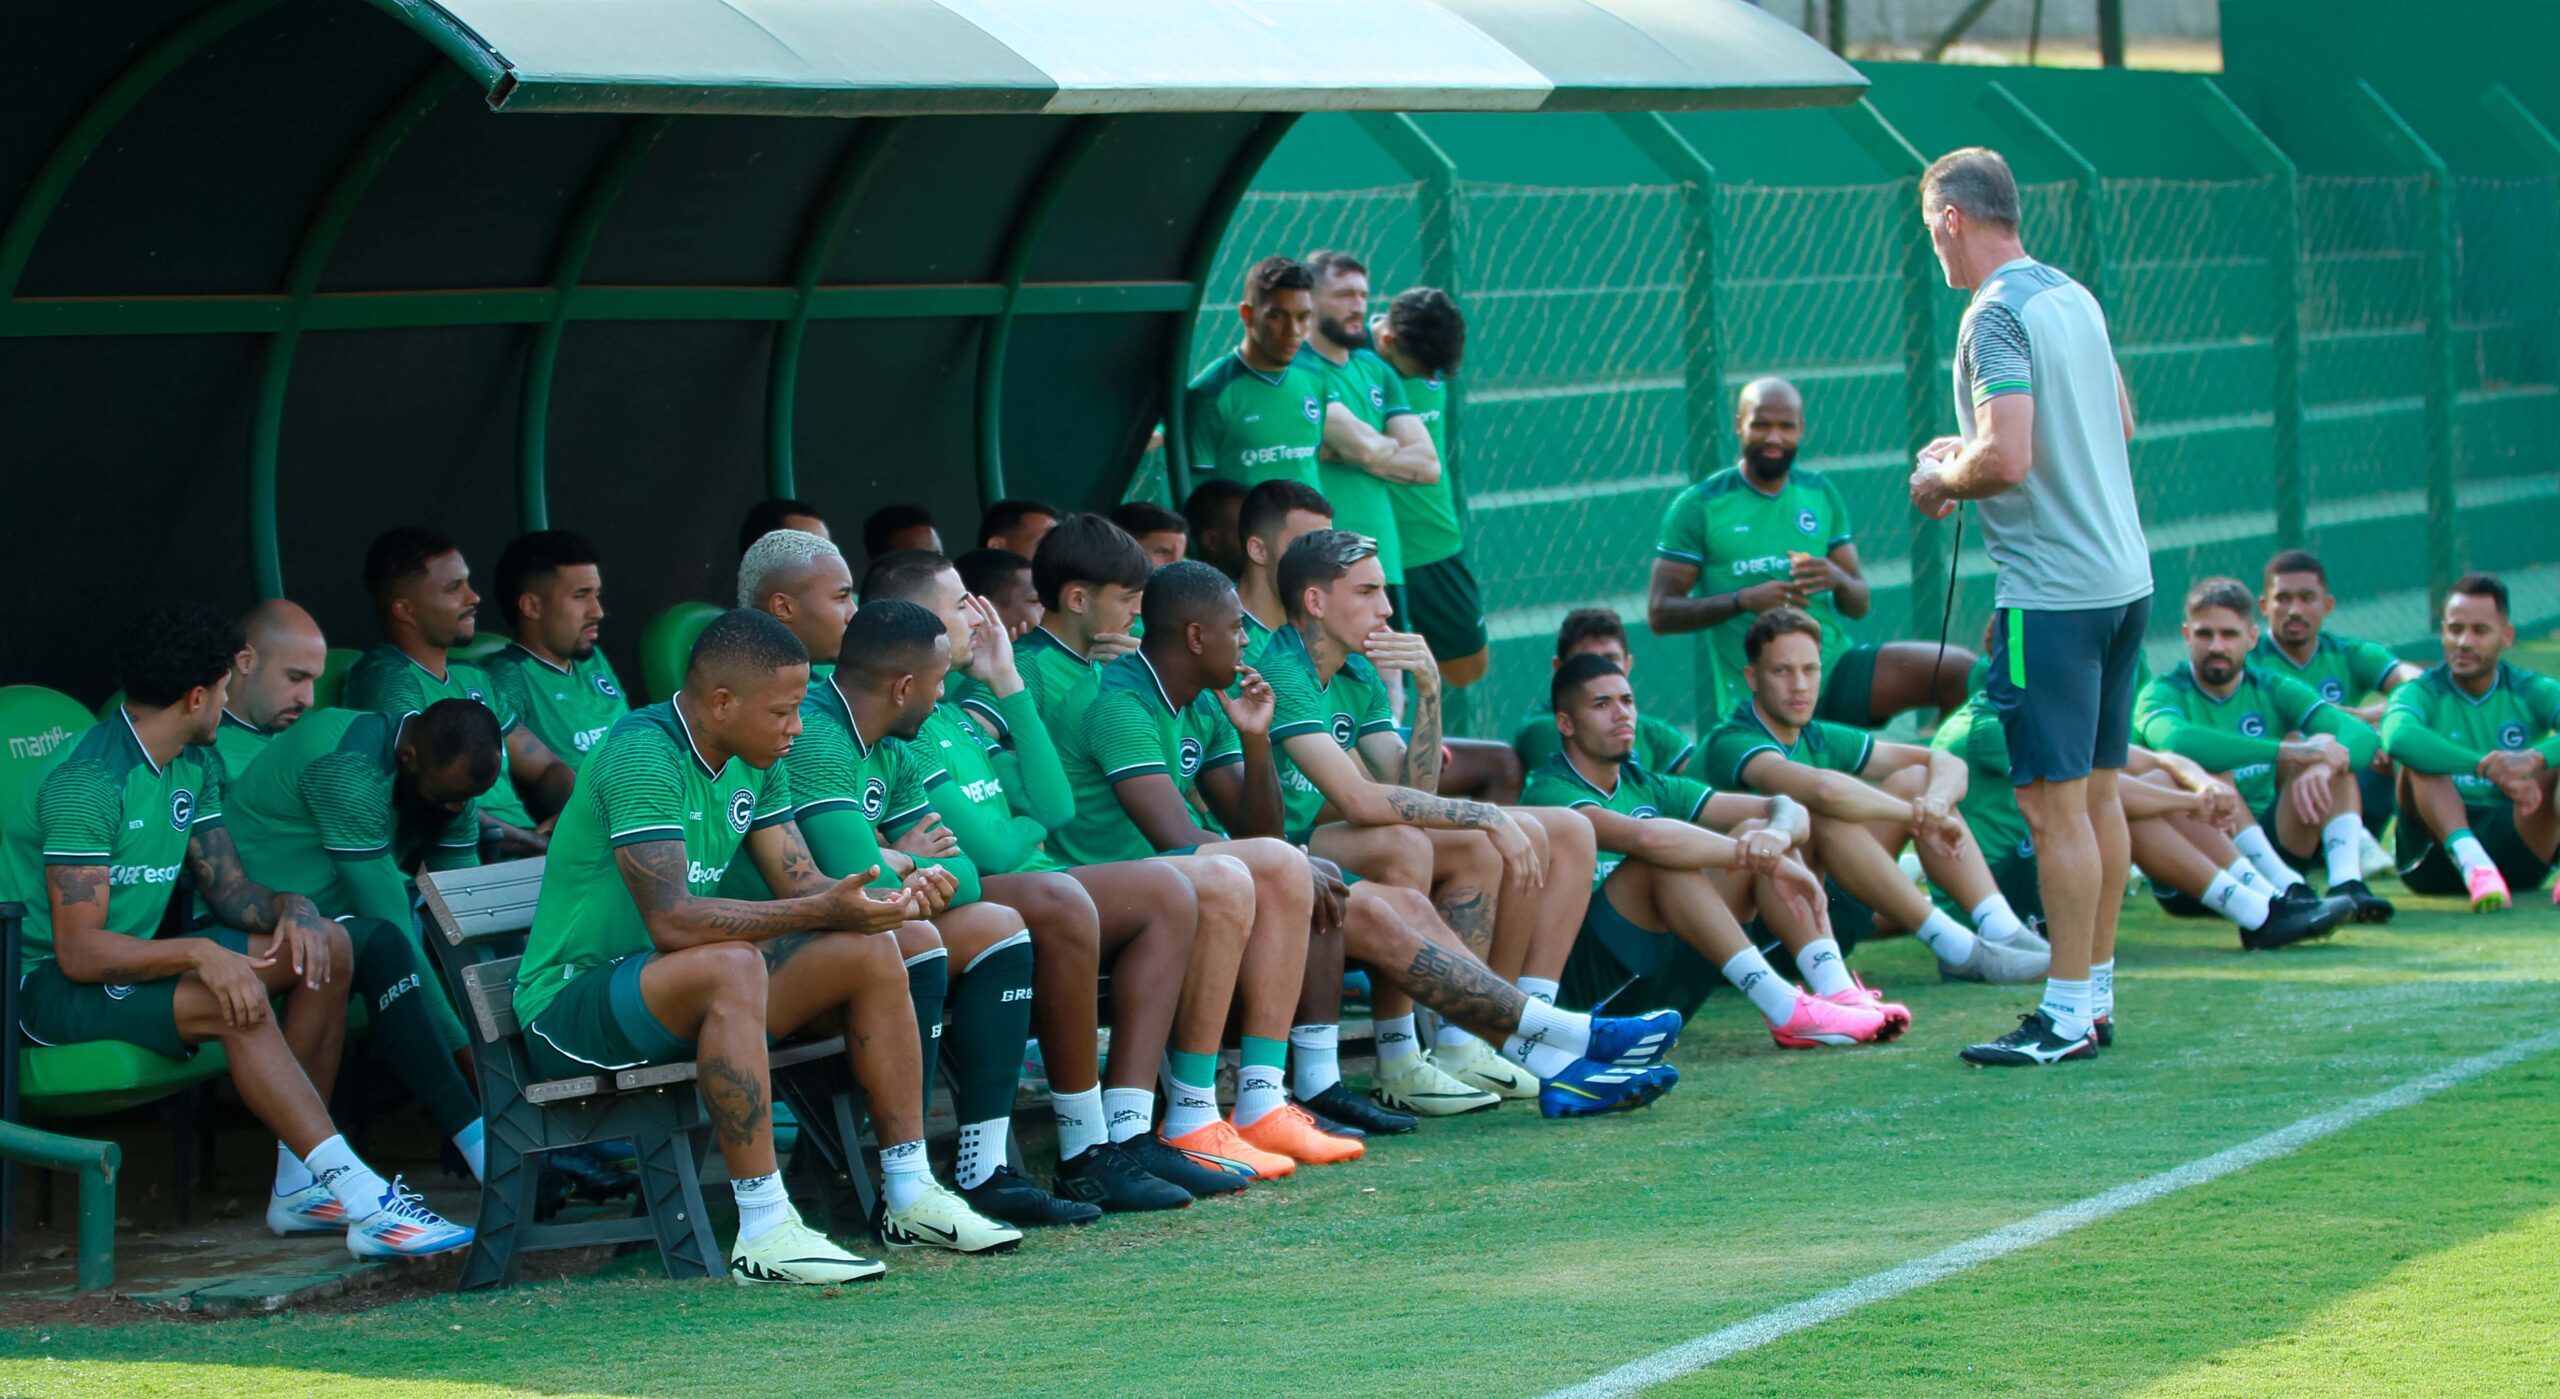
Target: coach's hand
<point>1929,493</point>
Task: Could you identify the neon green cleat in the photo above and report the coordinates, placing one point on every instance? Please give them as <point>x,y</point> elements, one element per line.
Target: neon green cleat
<point>793,1252</point>
<point>1414,1084</point>
<point>1477,1065</point>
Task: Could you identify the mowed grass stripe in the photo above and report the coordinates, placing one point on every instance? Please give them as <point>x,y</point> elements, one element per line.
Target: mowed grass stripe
<point>1664,1366</point>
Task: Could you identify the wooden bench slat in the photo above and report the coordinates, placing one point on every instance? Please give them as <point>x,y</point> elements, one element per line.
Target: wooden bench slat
<point>484,901</point>
<point>491,987</point>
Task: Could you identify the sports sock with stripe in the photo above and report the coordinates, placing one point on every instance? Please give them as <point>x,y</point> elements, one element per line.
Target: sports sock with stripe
<point>1396,1042</point>
<point>1190,1103</point>
<point>2240,869</point>
<point>903,1173</point>
<point>762,1204</point>
<point>2338,849</point>
<point>1315,1059</point>
<point>990,1022</point>
<point>1773,995</point>
<point>2102,988</point>
<point>1950,940</point>
<point>1258,1090</point>
<point>2241,903</point>
<point>291,1174</point>
<point>1129,1112</point>
<point>334,1164</point>
<point>1825,971</point>
<point>1080,1124</point>
<point>2468,852</point>
<point>1994,919</point>
<point>1548,1040</point>
<point>2254,847</point>
<point>929,987</point>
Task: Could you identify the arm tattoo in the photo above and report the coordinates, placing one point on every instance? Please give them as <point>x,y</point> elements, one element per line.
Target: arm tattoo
<point>227,890</point>
<point>1447,813</point>
<point>800,870</point>
<point>1422,752</point>
<point>74,885</point>
<point>1469,914</point>
<point>1462,989</point>
<point>734,1098</point>
<point>655,874</point>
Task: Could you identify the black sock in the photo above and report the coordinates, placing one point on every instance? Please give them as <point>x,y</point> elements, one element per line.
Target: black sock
<point>990,1020</point>
<point>401,1008</point>
<point>928,986</point>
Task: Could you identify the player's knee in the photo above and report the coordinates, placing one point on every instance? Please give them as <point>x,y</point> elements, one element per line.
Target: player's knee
<point>733,975</point>
<point>1272,861</point>
<point>917,938</point>
<point>1060,914</point>
<point>1402,856</point>
<point>1568,832</point>
<point>1222,891</point>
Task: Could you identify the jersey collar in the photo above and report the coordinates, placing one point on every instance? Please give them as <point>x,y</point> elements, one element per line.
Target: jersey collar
<point>537,658</point>
<point>126,714</point>
<point>1050,638</point>
<point>1564,758</point>
<point>235,721</point>
<point>444,679</point>
<point>852,724</point>
<point>1247,366</point>
<point>1751,711</point>
<point>1158,677</point>
<point>676,707</point>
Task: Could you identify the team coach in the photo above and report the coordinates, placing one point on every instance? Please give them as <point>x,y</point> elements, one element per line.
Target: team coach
<point>2046,422</point>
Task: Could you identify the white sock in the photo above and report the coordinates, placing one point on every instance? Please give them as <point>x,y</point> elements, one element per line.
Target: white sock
<point>1079,1122</point>
<point>1450,1037</point>
<point>1825,971</point>
<point>2338,848</point>
<point>1258,1094</point>
<point>903,1174</point>
<point>2254,847</point>
<point>1188,1107</point>
<point>333,1163</point>
<point>2241,870</point>
<point>1538,988</point>
<point>2102,988</point>
<point>2469,853</point>
<point>2066,1003</point>
<point>1549,1040</point>
<point>1315,1059</point>
<point>1773,994</point>
<point>473,1143</point>
<point>981,1151</point>
<point>291,1174</point>
<point>762,1204</point>
<point>1131,1111</point>
<point>1950,940</point>
<point>1994,919</point>
<point>1396,1042</point>
<point>2236,901</point>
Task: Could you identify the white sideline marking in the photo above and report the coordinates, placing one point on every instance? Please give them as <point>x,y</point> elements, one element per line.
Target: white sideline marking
<point>1689,1357</point>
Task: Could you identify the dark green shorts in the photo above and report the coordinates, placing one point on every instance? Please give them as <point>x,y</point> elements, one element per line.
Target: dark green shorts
<point>1618,968</point>
<point>598,1021</point>
<point>1442,602</point>
<point>2428,868</point>
<point>53,1009</point>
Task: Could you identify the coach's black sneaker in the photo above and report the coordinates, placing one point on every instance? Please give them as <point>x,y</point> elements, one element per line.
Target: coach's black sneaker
<point>2370,906</point>
<point>1010,1197</point>
<point>1109,1177</point>
<point>2295,915</point>
<point>2103,1030</point>
<point>1165,1162</point>
<point>1340,1111</point>
<point>2032,1044</point>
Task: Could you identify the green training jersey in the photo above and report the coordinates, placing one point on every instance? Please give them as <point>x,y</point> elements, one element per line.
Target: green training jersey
<point>1252,427</point>
<point>1642,794</point>
<point>1660,746</point>
<point>963,782</point>
<point>1362,503</point>
<point>239,743</point>
<point>1737,537</point>
<point>569,710</point>
<point>1990,806</point>
<point>1061,682</point>
<point>101,800</point>
<point>1349,707</point>
<point>2431,725</point>
<point>1133,729</point>
<point>2239,734</point>
<point>1744,735</point>
<point>316,816</point>
<point>1427,516</point>
<point>846,792</point>
<point>646,782</point>
<point>2342,669</point>
<point>387,681</point>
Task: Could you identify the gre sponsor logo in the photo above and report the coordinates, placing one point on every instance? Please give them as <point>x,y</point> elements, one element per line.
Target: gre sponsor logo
<point>1190,759</point>
<point>39,743</point>
<point>182,808</point>
<point>2253,725</point>
<point>2511,734</point>
<point>702,876</point>
<point>742,809</point>
<point>875,797</point>
<point>406,983</point>
<point>1015,993</point>
<point>135,876</point>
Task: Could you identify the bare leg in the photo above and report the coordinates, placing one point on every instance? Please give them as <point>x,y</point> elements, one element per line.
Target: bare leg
<point>315,1017</point>
<point>263,1067</point>
<point>2203,835</point>
<point>2293,833</point>
<point>2165,855</point>
<point>715,996</point>
<point>2435,800</point>
<point>2115,860</point>
<point>2540,827</point>
<point>855,984</point>
<point>1962,872</point>
<point>2067,868</point>
<point>1682,902</point>
<point>1395,931</point>
<point>1466,886</point>
<point>1909,675</point>
<point>1400,856</point>
<point>1224,889</point>
<point>1859,864</point>
<point>1560,903</point>
<point>1271,973</point>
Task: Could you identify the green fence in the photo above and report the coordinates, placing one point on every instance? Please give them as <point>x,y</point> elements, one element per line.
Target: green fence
<point>2296,345</point>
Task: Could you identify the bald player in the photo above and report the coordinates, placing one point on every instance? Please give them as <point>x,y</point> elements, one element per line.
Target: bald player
<point>1764,534</point>
<point>282,655</point>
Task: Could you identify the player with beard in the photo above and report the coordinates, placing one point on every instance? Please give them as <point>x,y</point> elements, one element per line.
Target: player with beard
<point>1766,534</point>
<point>2477,740</point>
<point>1373,440</point>
<point>552,673</point>
<point>2344,669</point>
<point>282,656</point>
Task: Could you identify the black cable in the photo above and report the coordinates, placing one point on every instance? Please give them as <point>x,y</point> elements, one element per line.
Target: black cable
<point>1955,556</point>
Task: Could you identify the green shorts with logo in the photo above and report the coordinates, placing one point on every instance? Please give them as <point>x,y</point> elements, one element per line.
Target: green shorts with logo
<point>1619,968</point>
<point>1849,688</point>
<point>1442,602</point>
<point>54,1010</point>
<point>599,1022</point>
<point>2428,868</point>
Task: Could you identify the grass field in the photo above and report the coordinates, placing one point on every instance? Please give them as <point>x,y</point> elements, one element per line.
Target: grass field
<point>1503,1254</point>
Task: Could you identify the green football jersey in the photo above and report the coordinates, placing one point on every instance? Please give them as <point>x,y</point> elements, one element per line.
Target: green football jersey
<point>240,742</point>
<point>101,800</point>
<point>2239,734</point>
<point>1660,746</point>
<point>2342,669</point>
<point>1427,516</point>
<point>1644,795</point>
<point>1348,708</point>
<point>1133,729</point>
<point>1252,427</point>
<point>2432,726</point>
<point>965,787</point>
<point>1362,503</point>
<point>387,681</point>
<point>646,782</point>
<point>1990,806</point>
<point>315,816</point>
<point>1821,744</point>
<point>569,710</point>
<point>845,791</point>
<point>1736,537</point>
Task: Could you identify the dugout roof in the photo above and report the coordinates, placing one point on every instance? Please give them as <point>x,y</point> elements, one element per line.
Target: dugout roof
<point>276,274</point>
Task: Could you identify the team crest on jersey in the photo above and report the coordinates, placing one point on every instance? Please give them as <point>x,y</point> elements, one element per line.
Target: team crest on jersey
<point>875,797</point>
<point>2253,726</point>
<point>604,687</point>
<point>2026,847</point>
<point>1342,731</point>
<point>1433,384</point>
<point>182,806</point>
<point>742,809</point>
<point>2511,735</point>
<point>1377,398</point>
<point>472,693</point>
<point>1806,522</point>
<point>2333,692</point>
<point>1315,411</point>
<point>1190,758</point>
<point>1645,813</point>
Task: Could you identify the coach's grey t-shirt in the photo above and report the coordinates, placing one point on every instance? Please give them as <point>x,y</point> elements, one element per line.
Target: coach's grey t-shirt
<point>2068,537</point>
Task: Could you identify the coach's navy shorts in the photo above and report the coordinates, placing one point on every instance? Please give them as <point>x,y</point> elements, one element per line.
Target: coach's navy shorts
<point>2062,684</point>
